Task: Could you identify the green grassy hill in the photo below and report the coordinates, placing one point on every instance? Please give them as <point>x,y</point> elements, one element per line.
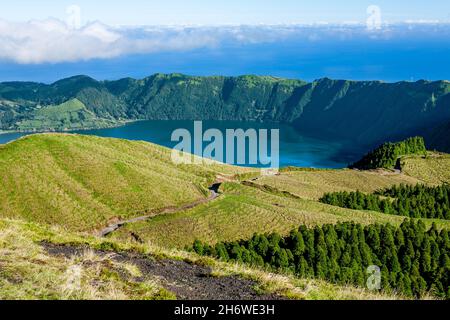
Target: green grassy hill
<point>432,169</point>
<point>69,115</point>
<point>63,188</point>
<point>312,184</point>
<point>85,182</point>
<point>387,155</point>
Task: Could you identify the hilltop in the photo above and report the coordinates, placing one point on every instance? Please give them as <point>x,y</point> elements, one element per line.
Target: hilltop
<point>86,182</point>
<point>387,155</point>
<point>366,112</point>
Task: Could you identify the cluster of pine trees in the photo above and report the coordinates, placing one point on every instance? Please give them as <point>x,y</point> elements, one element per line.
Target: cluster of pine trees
<point>412,260</point>
<point>386,155</point>
<point>417,201</point>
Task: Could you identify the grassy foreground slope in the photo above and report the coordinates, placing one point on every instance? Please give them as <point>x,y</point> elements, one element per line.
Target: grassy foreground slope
<point>102,271</point>
<point>85,182</point>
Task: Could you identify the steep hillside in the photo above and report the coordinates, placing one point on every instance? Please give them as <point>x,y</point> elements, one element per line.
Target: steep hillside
<point>72,114</point>
<point>85,182</point>
<point>367,112</point>
<point>439,136</point>
<point>386,156</point>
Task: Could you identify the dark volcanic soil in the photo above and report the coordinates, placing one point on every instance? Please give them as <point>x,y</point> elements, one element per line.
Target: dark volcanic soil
<point>187,281</point>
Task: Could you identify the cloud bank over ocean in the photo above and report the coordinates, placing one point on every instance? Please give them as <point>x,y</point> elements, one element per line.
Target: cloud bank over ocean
<point>55,41</point>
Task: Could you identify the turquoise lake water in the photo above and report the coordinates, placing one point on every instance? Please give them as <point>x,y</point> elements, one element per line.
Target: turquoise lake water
<point>296,149</point>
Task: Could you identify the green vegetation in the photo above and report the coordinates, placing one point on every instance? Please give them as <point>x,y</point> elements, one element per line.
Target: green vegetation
<point>413,260</point>
<point>313,184</point>
<point>69,115</point>
<point>28,271</point>
<point>243,210</point>
<point>63,188</point>
<point>420,200</point>
<point>432,169</point>
<point>411,201</point>
<point>370,110</point>
<point>84,182</point>
<point>387,155</point>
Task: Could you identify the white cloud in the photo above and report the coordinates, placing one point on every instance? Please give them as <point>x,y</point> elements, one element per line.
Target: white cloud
<point>54,41</point>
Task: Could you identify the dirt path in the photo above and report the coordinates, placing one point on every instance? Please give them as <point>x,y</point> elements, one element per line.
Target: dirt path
<point>187,281</point>
<point>214,193</point>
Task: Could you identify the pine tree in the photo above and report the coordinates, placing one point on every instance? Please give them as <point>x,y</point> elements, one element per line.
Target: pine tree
<point>236,252</point>
<point>413,260</point>
<point>222,252</point>
<point>198,247</point>
<point>298,244</point>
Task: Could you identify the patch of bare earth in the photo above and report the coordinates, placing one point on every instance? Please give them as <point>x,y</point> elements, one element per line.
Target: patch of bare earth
<point>186,280</point>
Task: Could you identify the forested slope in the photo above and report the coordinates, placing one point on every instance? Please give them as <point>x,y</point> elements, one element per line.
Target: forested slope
<point>366,112</point>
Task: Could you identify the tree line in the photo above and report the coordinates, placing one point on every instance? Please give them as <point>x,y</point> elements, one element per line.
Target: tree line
<point>412,260</point>
<point>386,155</point>
<point>417,201</point>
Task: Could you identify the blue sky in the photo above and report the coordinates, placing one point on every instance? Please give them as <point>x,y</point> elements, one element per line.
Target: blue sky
<point>44,41</point>
<point>144,12</point>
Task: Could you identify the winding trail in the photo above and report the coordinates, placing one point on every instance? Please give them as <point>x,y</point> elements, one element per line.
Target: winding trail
<point>214,193</point>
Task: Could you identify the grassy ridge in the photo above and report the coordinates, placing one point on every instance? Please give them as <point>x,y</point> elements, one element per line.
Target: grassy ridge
<point>313,184</point>
<point>433,169</point>
<point>84,182</point>
<point>243,210</point>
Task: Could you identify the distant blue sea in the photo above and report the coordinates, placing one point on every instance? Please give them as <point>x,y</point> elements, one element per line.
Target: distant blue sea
<point>295,148</point>
<point>407,53</point>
